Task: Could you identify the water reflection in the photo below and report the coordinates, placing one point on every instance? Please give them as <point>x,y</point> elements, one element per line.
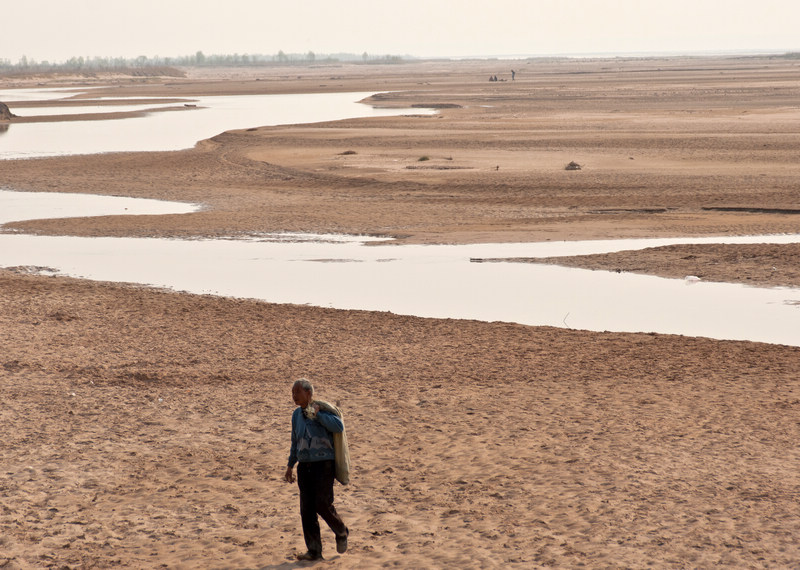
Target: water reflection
<point>40,93</point>
<point>19,206</point>
<point>429,281</point>
<point>92,108</point>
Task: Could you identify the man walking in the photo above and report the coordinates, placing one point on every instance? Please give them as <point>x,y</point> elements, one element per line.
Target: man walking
<point>312,450</point>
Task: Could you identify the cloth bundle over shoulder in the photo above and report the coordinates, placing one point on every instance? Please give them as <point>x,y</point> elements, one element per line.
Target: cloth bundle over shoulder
<point>340,447</point>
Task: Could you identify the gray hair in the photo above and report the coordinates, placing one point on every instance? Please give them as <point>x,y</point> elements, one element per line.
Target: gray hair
<point>305,384</point>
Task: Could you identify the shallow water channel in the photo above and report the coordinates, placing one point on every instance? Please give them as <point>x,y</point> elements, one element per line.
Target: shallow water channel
<point>158,130</point>
<point>351,272</point>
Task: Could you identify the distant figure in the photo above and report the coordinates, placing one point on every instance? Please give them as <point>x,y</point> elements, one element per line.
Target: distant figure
<point>513,73</point>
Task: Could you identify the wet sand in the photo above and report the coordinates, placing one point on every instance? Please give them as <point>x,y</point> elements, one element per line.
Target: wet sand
<point>765,265</point>
<point>148,428</point>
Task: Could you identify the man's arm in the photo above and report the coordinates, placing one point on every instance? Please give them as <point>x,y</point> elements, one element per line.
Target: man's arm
<point>289,475</point>
<point>330,422</point>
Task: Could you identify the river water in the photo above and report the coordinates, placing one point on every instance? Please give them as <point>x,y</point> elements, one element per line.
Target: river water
<point>177,129</point>
<point>352,272</point>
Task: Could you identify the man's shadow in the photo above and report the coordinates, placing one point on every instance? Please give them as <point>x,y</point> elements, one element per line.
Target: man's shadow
<point>298,564</point>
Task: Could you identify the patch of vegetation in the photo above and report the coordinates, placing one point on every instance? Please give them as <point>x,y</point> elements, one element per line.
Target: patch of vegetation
<point>144,66</point>
<point>423,158</point>
<point>87,68</point>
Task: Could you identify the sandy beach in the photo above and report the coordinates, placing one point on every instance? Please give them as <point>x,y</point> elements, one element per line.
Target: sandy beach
<point>145,428</point>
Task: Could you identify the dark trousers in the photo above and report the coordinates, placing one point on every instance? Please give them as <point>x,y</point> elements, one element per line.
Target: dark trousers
<point>315,480</point>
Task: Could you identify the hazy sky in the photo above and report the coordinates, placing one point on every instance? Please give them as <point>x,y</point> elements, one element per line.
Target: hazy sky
<point>56,30</point>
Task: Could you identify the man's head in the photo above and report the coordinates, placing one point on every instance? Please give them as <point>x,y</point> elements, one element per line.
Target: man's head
<point>302,392</point>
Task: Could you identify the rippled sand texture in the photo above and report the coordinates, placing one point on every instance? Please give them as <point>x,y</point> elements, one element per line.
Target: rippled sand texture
<point>145,428</point>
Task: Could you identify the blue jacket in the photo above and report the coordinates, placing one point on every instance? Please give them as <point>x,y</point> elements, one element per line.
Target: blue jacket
<point>312,439</point>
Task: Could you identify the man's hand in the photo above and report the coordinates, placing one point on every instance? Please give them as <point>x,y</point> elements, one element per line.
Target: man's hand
<point>289,475</point>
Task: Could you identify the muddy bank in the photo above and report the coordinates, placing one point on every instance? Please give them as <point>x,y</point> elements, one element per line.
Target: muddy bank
<point>771,265</point>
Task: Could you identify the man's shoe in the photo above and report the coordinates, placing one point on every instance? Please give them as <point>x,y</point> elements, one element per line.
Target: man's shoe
<point>309,556</point>
<point>341,543</point>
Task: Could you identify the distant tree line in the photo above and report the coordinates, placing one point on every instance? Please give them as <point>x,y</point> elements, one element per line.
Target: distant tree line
<point>148,65</point>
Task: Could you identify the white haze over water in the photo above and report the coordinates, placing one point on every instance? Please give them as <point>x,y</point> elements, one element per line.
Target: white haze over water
<point>54,30</point>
